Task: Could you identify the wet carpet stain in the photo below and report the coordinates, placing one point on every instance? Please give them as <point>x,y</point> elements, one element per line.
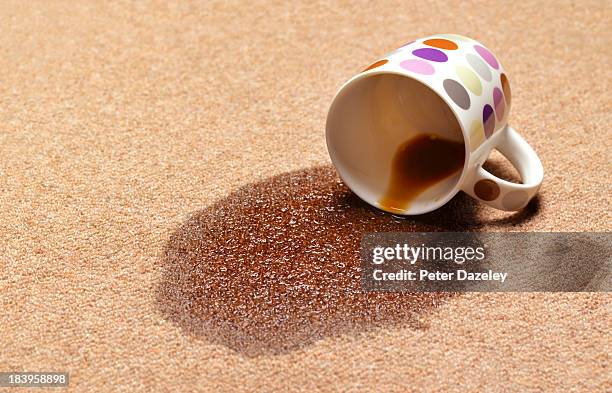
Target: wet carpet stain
<point>275,265</point>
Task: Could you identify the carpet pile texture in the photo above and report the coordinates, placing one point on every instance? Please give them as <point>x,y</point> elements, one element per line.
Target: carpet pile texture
<point>121,121</point>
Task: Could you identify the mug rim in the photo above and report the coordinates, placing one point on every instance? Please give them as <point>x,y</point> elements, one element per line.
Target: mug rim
<point>436,204</point>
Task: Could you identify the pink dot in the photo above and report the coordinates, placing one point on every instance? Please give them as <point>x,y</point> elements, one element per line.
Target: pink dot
<point>418,66</point>
<point>498,102</point>
<point>487,56</point>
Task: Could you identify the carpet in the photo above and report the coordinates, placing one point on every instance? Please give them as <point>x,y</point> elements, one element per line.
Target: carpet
<point>128,126</point>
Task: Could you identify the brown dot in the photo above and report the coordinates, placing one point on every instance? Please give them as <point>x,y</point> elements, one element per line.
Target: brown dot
<point>506,88</point>
<point>441,43</point>
<point>486,189</point>
<point>377,64</point>
<point>515,200</point>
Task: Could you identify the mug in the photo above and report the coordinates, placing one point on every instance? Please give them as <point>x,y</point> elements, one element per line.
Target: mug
<point>414,128</point>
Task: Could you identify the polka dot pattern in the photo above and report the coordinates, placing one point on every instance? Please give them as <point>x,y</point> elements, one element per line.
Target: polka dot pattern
<point>473,80</point>
<point>469,79</point>
<point>487,56</point>
<point>477,135</point>
<point>488,120</point>
<point>376,64</point>
<point>486,189</point>
<point>515,200</point>
<point>478,92</point>
<point>479,66</point>
<point>498,101</point>
<point>506,88</point>
<point>431,54</point>
<point>418,66</point>
<point>455,37</point>
<point>457,93</point>
<point>441,43</point>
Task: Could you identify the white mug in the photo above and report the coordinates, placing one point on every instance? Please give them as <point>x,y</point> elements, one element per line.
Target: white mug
<point>414,128</point>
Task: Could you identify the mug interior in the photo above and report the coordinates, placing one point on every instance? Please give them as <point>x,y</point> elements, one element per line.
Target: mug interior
<point>371,119</point>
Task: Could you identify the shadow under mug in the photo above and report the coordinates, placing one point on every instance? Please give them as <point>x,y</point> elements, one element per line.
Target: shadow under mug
<point>447,88</point>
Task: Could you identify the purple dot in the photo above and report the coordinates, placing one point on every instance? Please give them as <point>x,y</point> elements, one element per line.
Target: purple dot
<point>430,54</point>
<point>487,56</point>
<point>488,120</point>
<point>418,66</point>
<point>498,101</point>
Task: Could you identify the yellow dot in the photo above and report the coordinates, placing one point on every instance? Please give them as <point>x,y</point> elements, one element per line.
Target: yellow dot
<point>454,36</point>
<point>469,79</point>
<point>477,135</point>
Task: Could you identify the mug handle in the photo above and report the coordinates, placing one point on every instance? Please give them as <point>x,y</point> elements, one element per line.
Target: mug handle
<point>502,194</point>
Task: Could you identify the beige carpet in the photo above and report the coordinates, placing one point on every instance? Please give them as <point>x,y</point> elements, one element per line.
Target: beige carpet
<point>121,120</point>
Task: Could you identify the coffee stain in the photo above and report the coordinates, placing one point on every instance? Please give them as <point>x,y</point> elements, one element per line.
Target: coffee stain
<point>418,164</point>
<point>274,266</point>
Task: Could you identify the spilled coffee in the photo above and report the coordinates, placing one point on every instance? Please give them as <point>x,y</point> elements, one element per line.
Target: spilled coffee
<point>418,164</point>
